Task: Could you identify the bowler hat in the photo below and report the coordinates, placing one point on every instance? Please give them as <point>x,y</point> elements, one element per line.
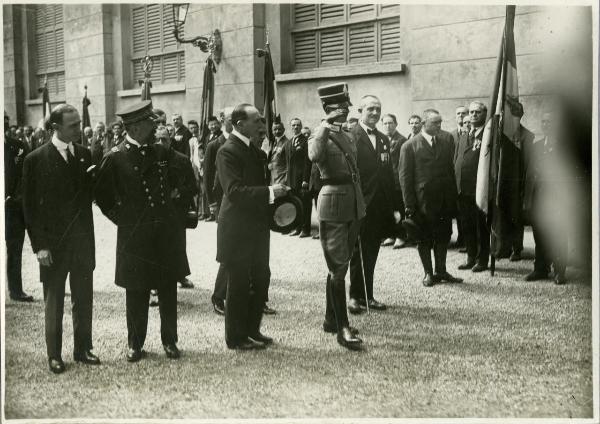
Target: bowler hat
<point>286,213</point>
<point>334,94</point>
<point>414,227</point>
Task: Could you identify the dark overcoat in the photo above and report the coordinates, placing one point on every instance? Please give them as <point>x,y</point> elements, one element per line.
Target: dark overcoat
<point>244,215</point>
<point>133,191</point>
<point>57,202</point>
<point>295,151</point>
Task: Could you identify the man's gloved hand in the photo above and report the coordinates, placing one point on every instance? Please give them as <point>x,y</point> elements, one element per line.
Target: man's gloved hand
<point>335,114</point>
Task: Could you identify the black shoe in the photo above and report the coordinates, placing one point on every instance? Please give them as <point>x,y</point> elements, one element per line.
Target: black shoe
<point>134,355</point>
<point>153,298</point>
<point>295,233</point>
<point>186,284</point>
<point>332,328</point>
<point>462,250</point>
<point>354,306</point>
<point>348,340</point>
<point>304,234</point>
<point>268,311</point>
<point>387,242</point>
<point>467,265</point>
<point>211,218</point>
<point>21,297</point>
<point>259,337</point>
<point>86,357</point>
<point>172,351</point>
<point>447,277</point>
<point>479,268</point>
<point>248,344</point>
<point>316,236</point>
<point>399,244</point>
<point>57,366</point>
<point>218,305</point>
<point>559,279</point>
<point>378,306</point>
<point>536,275</point>
<point>428,280</point>
<point>515,257</point>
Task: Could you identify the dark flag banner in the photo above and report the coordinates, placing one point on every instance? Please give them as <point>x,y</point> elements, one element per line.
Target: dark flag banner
<point>46,106</point>
<point>85,115</point>
<point>146,84</point>
<point>208,96</point>
<point>269,106</point>
<point>499,172</point>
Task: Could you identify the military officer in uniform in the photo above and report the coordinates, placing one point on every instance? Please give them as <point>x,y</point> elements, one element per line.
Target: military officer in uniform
<point>340,206</point>
<point>133,191</point>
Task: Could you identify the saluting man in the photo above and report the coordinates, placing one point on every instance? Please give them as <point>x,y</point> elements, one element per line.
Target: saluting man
<point>340,206</point>
<point>132,190</point>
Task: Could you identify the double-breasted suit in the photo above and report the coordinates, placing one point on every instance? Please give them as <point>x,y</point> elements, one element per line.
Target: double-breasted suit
<point>57,201</point>
<point>474,226</point>
<point>429,189</point>
<point>381,200</point>
<point>133,190</point>
<point>243,236</point>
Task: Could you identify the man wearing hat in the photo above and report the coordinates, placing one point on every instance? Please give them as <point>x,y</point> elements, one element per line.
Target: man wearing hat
<point>429,189</point>
<point>340,206</point>
<point>133,191</point>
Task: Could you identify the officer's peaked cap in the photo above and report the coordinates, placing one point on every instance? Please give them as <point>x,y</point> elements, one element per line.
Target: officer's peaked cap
<point>334,94</point>
<point>137,112</point>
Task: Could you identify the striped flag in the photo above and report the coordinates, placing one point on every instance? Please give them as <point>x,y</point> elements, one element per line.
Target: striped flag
<point>46,106</point>
<point>499,171</point>
<point>270,104</point>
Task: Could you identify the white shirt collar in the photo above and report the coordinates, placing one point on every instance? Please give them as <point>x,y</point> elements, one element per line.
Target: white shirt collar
<point>241,136</point>
<point>427,137</point>
<point>132,141</point>
<point>477,131</point>
<point>59,144</point>
<point>364,127</point>
<point>225,134</point>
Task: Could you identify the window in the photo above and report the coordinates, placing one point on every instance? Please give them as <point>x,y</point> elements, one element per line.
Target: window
<point>152,34</point>
<point>342,34</point>
<point>50,50</point>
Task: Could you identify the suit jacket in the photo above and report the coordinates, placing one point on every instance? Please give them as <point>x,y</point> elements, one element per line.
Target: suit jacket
<point>296,161</point>
<point>396,142</point>
<point>211,179</point>
<point>97,148</point>
<point>376,173</point>
<point>14,156</point>
<point>336,203</point>
<point>278,165</point>
<point>57,202</point>
<point>181,143</point>
<point>466,161</point>
<point>427,176</point>
<point>133,189</point>
<point>245,211</point>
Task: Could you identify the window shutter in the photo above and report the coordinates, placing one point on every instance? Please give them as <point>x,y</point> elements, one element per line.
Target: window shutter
<point>153,20</point>
<point>332,46</point>
<point>169,41</point>
<point>170,64</point>
<point>390,39</point>
<point>60,49</point>
<point>386,9</point>
<point>332,12</point>
<point>139,29</point>
<point>305,50</point>
<point>361,44</point>
<point>305,14</point>
<point>181,66</point>
<point>361,10</point>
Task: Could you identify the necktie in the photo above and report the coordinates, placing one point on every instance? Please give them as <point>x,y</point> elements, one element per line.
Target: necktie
<point>433,143</point>
<point>72,164</point>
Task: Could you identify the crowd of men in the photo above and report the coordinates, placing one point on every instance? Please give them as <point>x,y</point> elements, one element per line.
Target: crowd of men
<point>370,188</point>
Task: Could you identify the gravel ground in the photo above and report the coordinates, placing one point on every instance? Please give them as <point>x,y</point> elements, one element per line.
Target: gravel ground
<point>490,347</point>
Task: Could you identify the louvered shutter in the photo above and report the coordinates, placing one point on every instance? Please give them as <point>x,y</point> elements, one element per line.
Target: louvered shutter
<point>361,45</point>
<point>305,50</point>
<point>332,46</point>
<point>49,48</point>
<point>361,10</point>
<point>153,20</point>
<point>332,12</point>
<point>305,14</point>
<point>138,17</point>
<point>390,39</point>
<point>386,9</point>
<point>169,42</point>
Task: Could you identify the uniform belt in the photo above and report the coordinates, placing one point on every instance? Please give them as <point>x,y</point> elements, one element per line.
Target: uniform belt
<point>341,180</point>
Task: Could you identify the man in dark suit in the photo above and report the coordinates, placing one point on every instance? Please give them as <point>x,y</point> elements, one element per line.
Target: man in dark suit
<point>473,220</point>
<point>28,137</point>
<point>14,220</point>
<point>297,165</point>
<point>57,200</point>
<point>98,143</point>
<point>460,114</point>
<point>377,183</point>
<point>277,165</point>
<point>243,234</point>
<point>390,125</point>
<point>429,189</point>
<point>340,206</point>
<point>182,136</point>
<point>133,191</point>
<point>118,135</point>
<point>214,194</point>
<point>415,123</point>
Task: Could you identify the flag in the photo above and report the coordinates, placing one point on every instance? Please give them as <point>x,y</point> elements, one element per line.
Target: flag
<point>46,106</point>
<point>208,96</point>
<point>85,116</point>
<point>146,85</point>
<point>499,172</point>
<point>269,105</point>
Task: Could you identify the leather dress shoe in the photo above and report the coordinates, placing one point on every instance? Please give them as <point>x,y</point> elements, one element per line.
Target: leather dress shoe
<point>186,283</point>
<point>86,357</point>
<point>428,280</point>
<point>354,306</point>
<point>515,257</point>
<point>387,242</point>
<point>248,344</point>
<point>479,268</point>
<point>448,278</point>
<point>332,328</point>
<point>134,355</point>
<point>295,233</point>
<point>153,297</point>
<point>268,311</point>
<point>21,297</point>
<point>462,250</point>
<point>536,275</point>
<point>373,304</point>
<point>348,340</point>
<point>172,351</point>
<point>211,218</point>
<point>57,366</point>
<point>304,234</point>
<point>259,337</point>
<point>399,244</point>
<point>218,306</point>
<point>467,265</point>
<point>559,279</point>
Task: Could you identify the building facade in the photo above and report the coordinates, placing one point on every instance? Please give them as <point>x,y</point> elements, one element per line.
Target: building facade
<point>411,56</point>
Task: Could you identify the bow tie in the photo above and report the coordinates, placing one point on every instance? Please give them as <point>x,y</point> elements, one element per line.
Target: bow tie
<point>371,132</point>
